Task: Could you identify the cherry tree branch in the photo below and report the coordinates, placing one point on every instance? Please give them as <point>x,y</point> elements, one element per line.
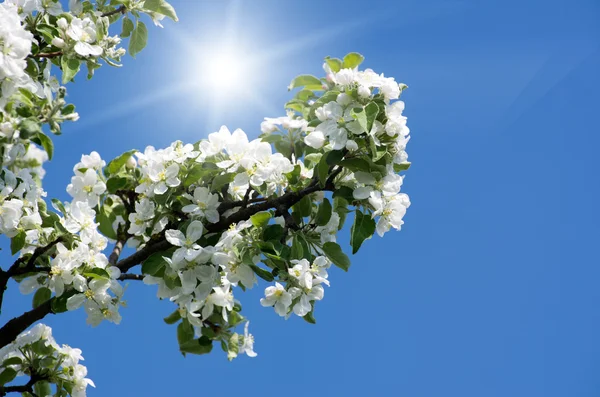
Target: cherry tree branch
<point>14,327</point>
<point>16,269</point>
<point>283,202</point>
<point>116,252</point>
<point>122,9</point>
<point>131,276</point>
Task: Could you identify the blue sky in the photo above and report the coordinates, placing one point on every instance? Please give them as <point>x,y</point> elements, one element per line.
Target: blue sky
<point>491,288</point>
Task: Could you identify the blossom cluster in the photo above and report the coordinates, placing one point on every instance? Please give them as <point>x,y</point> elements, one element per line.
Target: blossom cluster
<point>79,267</point>
<point>36,352</point>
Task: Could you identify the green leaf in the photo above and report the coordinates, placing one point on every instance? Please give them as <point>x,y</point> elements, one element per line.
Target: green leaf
<point>97,273</point>
<point>42,388</point>
<point>360,115</point>
<point>29,127</point>
<point>173,317</point>
<point>12,361</point>
<point>18,242</point>
<point>116,164</point>
<point>153,264</point>
<point>323,213</point>
<point>303,207</point>
<point>41,296</point>
<point>362,229</point>
<point>202,345</point>
<point>322,170</point>
<point>356,164</point>
<point>70,67</point>
<point>161,7</point>
<point>402,166</point>
<point>139,38</point>
<point>221,180</point>
<point>105,218</point>
<point>297,252</point>
<point>273,232</point>
<point>309,317</point>
<point>335,254</point>
<point>334,157</point>
<point>352,60</point>
<point>335,64</point>
<point>7,375</point>
<point>115,183</point>
<point>127,27</point>
<point>46,143</point>
<point>371,110</point>
<point>260,219</point>
<point>305,80</point>
<point>59,304</point>
<point>262,273</point>
<point>344,192</point>
<point>185,332</point>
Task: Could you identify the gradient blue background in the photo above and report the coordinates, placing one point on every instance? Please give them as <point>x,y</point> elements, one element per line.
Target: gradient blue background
<point>490,289</point>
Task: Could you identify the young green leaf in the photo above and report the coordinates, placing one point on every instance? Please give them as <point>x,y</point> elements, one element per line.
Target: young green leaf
<point>127,27</point>
<point>139,38</point>
<point>335,254</point>
<point>352,60</point>
<point>70,67</point>
<point>323,213</point>
<point>305,80</point>
<point>41,296</point>
<point>362,229</point>
<point>161,7</point>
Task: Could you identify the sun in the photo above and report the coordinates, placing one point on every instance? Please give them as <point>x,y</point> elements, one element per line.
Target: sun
<point>224,71</point>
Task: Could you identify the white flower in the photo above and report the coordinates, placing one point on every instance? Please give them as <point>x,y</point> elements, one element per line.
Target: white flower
<point>345,77</point>
<point>248,344</point>
<point>301,272</point>
<point>277,296</point>
<point>15,43</point>
<point>188,250</point>
<point>390,210</point>
<point>86,187</point>
<point>83,31</point>
<point>329,111</point>
<point>163,177</point>
<point>303,307</point>
<point>95,291</point>
<point>388,185</point>
<point>315,139</point>
<point>204,204</point>
<point>389,88</point>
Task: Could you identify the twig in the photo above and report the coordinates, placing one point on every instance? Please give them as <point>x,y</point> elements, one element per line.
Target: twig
<point>116,252</point>
<point>130,276</point>
<point>121,10</point>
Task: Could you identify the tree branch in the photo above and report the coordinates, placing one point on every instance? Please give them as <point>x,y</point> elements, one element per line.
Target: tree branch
<point>47,54</point>
<point>285,201</point>
<point>14,327</point>
<point>16,269</point>
<point>26,388</point>
<point>116,252</point>
<point>121,10</point>
<point>130,276</point>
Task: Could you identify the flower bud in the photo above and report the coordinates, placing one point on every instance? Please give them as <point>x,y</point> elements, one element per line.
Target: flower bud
<point>364,92</point>
<point>131,163</point>
<point>58,42</point>
<point>62,23</point>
